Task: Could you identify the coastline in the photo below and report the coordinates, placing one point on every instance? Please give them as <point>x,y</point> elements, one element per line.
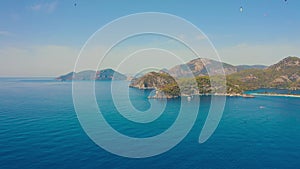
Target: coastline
<point>248,95</point>
<point>159,95</point>
<point>275,95</point>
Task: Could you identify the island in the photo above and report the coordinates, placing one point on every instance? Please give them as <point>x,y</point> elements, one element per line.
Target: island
<point>175,82</point>
<point>179,82</point>
<point>100,75</point>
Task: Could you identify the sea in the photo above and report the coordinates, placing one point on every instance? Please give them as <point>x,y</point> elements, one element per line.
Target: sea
<point>39,128</point>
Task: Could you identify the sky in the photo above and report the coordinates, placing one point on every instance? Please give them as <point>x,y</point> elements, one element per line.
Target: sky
<point>44,37</point>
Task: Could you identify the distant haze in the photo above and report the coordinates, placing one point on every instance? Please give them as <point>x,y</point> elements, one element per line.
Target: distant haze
<point>44,38</point>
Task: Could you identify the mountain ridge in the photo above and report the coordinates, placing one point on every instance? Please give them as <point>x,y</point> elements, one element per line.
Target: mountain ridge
<point>284,74</point>
<point>245,67</point>
<point>101,75</point>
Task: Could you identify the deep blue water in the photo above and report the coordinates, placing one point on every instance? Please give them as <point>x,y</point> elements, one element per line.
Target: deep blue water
<point>39,129</point>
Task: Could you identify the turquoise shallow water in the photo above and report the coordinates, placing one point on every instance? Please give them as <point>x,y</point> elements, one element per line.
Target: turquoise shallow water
<point>39,129</point>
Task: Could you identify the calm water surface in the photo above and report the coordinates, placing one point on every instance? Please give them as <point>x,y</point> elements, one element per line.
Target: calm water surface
<point>39,129</point>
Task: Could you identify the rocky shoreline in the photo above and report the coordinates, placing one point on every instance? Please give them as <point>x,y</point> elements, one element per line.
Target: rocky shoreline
<point>161,95</point>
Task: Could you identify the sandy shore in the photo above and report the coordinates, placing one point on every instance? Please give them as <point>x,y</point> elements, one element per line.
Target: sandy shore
<point>276,95</point>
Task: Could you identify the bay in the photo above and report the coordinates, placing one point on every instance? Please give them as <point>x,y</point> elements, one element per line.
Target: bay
<point>39,129</point>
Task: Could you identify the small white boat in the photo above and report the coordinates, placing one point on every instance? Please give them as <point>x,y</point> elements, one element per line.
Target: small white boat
<point>189,98</point>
